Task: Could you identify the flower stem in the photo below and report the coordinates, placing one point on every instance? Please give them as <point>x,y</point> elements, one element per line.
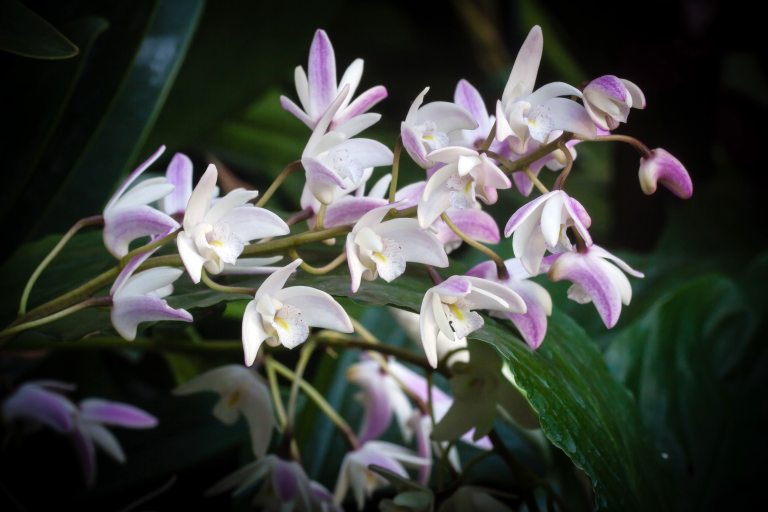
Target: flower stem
<point>88,303</point>
<point>501,268</point>
<point>536,181</point>
<point>148,247</point>
<point>395,168</point>
<point>116,342</point>
<point>639,146</point>
<point>96,220</point>
<point>523,162</point>
<point>213,285</point>
<point>322,404</point>
<point>319,271</point>
<point>320,218</point>
<point>279,179</point>
<point>275,389</point>
<point>301,366</point>
<point>335,339</point>
<point>560,181</point>
<point>489,139</point>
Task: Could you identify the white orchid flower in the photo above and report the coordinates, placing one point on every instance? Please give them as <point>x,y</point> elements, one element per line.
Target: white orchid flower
<point>541,224</point>
<point>609,98</point>
<point>449,308</point>
<point>283,316</point>
<point>215,234</point>
<point>128,216</point>
<point>383,248</point>
<point>465,175</point>
<point>241,392</point>
<point>432,126</point>
<point>334,162</point>
<point>318,90</point>
<point>523,114</point>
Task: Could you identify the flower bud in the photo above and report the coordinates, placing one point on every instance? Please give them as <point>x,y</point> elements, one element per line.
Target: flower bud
<point>660,166</point>
<point>608,100</point>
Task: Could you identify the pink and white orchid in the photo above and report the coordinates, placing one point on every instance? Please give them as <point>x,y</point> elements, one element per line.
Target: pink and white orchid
<point>242,393</point>
<point>378,247</point>
<point>42,403</point>
<point>541,224</point>
<point>215,234</point>
<point>354,471</point>
<point>431,126</point>
<point>283,316</point>
<point>661,167</point>
<point>465,175</point>
<point>128,216</point>
<point>523,114</point>
<point>179,173</point>
<point>609,98</point>
<point>449,308</point>
<point>597,277</point>
<point>336,164</point>
<point>141,297</point>
<point>317,91</point>
<point>532,324</point>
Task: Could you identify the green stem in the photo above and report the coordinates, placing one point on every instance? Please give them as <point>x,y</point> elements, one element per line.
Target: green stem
<point>560,181</point>
<point>644,151</point>
<point>213,285</point>
<point>301,366</point>
<point>116,342</point>
<point>320,219</point>
<point>88,303</point>
<point>96,220</point>
<point>322,404</point>
<point>395,168</point>
<point>149,247</point>
<point>536,181</point>
<point>501,267</point>
<point>282,419</point>
<point>334,339</point>
<point>489,139</point>
<point>319,271</point>
<point>521,163</point>
<point>279,179</point>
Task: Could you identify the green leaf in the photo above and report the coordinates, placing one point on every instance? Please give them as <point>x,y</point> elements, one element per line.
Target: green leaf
<point>696,363</point>
<point>25,33</point>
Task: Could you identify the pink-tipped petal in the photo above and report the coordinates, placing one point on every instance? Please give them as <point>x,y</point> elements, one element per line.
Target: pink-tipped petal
<point>662,167</point>
<point>321,72</point>
<point>179,174</point>
<point>123,226</point>
<point>413,146</point>
<point>468,97</point>
<point>129,312</point>
<point>35,403</point>
<point>135,174</point>
<point>362,103</point>
<point>526,67</point>
<point>116,413</point>
<point>476,223</point>
<point>348,210</point>
<point>296,111</point>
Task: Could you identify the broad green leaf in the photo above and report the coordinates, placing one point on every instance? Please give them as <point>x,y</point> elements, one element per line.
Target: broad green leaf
<point>25,33</point>
<point>695,362</point>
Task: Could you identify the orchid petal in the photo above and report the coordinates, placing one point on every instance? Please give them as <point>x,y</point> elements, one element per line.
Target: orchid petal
<point>192,260</point>
<point>569,116</point>
<point>321,72</point>
<point>293,109</point>
<point>418,245</point>
<point>128,312</point>
<point>106,440</point>
<point>250,223</point>
<point>447,116</point>
<point>661,166</point>
<point>123,226</point>
<point>362,104</point>
<point>33,402</point>
<point>86,452</point>
<point>255,405</point>
<point>526,67</point>
<point>318,308</point>
<point>200,200</point>
<point>476,223</point>
<point>115,413</point>
<point>638,98</point>
<point>135,174</point>
<point>179,174</point>
<point>253,333</point>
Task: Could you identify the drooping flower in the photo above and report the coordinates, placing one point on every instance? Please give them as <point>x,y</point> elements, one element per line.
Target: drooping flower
<point>128,216</point>
<point>141,297</point>
<point>533,323</point>
<point>42,403</point>
<point>379,247</point>
<point>215,234</point>
<point>597,277</point>
<point>354,471</point>
<point>661,167</point>
<point>283,316</point>
<point>465,175</point>
<point>449,308</point>
<point>242,392</point>
<point>317,91</point>
<point>431,126</point>
<point>282,485</point>
<point>541,224</point>
<point>523,114</point>
<point>335,163</point>
<point>609,98</point>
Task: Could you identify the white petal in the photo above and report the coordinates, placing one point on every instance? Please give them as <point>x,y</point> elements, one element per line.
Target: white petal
<point>428,327</point>
<point>253,333</point>
<point>418,245</point>
<point>318,308</point>
<point>526,66</point>
<point>192,260</point>
<point>552,219</point>
<point>200,200</point>
<point>235,198</point>
<point>149,281</point>
<point>106,440</point>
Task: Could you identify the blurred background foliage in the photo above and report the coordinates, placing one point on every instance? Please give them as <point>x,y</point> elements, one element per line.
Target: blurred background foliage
<point>90,88</point>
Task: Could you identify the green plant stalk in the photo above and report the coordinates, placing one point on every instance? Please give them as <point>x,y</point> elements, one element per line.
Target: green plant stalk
<point>149,247</point>
<point>279,179</point>
<point>88,303</point>
<point>116,342</point>
<point>319,271</point>
<point>501,267</point>
<point>275,389</point>
<point>213,285</point>
<point>301,366</point>
<point>96,220</point>
<point>395,168</point>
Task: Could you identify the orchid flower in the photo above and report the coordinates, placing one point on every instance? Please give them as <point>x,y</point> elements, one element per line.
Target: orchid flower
<point>532,324</point>
<point>284,486</point>
<point>448,350</point>
<point>431,126</point>
<point>128,216</point>
<point>464,175</point>
<point>42,403</point>
<point>354,471</point>
<point>349,205</point>
<point>448,308</point>
<point>609,98</point>
<point>141,297</point>
<point>597,277</point>
<point>479,388</point>
<point>179,174</point>
<point>523,114</point>
<point>242,392</point>
<point>215,235</point>
<point>317,92</point>
<point>283,316</point>
<point>541,224</point>
<point>379,247</point>
<point>335,163</point>
<point>661,167</point>
<point>468,97</point>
